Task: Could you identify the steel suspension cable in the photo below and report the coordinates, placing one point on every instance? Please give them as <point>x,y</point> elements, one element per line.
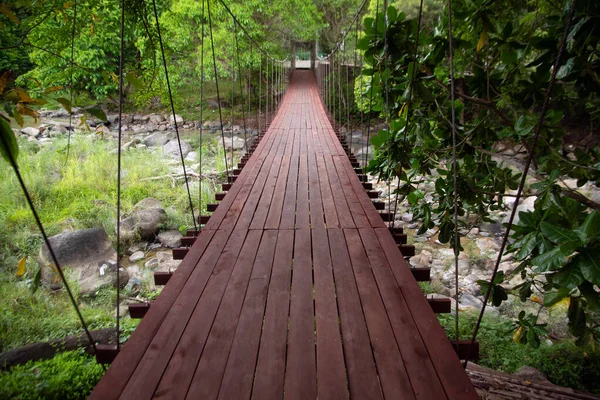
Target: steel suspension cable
<point>536,135</point>
<point>214,62</point>
<point>239,65</point>
<point>164,58</point>
<point>201,115</point>
<point>15,167</point>
<point>232,89</point>
<point>371,97</point>
<point>454,170</point>
<point>391,222</point>
<point>71,80</point>
<point>119,167</point>
<point>410,93</point>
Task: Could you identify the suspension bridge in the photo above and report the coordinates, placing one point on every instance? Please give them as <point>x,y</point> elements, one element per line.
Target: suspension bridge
<point>297,285</point>
<point>294,288</point>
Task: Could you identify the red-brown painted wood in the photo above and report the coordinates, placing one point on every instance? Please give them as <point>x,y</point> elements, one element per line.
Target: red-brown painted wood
<point>274,299</point>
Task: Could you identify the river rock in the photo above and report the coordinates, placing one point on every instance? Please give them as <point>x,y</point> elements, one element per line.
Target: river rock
<point>171,238</point>
<point>87,255</point>
<point>166,262</point>
<point>172,148</point>
<point>235,143</point>
<point>31,131</point>
<point>156,119</point>
<point>176,118</point>
<point>136,256</point>
<point>531,374</point>
<point>157,139</point>
<point>145,220</point>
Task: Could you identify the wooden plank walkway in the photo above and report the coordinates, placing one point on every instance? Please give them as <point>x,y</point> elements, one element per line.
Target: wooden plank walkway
<point>294,289</point>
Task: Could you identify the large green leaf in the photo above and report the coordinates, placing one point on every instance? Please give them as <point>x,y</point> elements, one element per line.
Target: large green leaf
<point>8,141</point>
<point>97,112</point>
<point>552,298</point>
<point>550,260</point>
<point>590,229</point>
<point>65,103</point>
<point>558,234</point>
<point>591,296</point>
<point>525,245</point>
<point>589,262</point>
<point>570,276</point>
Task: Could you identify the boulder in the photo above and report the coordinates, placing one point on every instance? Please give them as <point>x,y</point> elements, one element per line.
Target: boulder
<point>88,256</point>
<point>30,131</point>
<point>136,256</point>
<point>166,262</point>
<point>156,119</point>
<point>147,203</point>
<point>172,148</point>
<point>157,139</point>
<point>145,220</point>
<point>171,238</point>
<point>531,374</point>
<point>176,118</point>
<point>192,156</point>
<point>235,143</point>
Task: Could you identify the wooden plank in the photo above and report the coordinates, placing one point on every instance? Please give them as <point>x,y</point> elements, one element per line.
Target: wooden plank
<point>239,373</point>
<point>360,364</point>
<point>392,371</point>
<point>339,199</point>
<point>331,370</point>
<point>356,209</point>
<point>370,211</point>
<point>288,215</point>
<point>252,201</point>
<point>276,208</point>
<point>456,383</point>
<point>302,201</point>
<point>300,377</point>
<point>423,377</point>
<point>117,376</point>
<point>209,372</point>
<point>270,366</point>
<point>170,345</point>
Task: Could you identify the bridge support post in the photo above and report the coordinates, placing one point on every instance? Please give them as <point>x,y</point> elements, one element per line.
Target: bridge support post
<point>313,56</point>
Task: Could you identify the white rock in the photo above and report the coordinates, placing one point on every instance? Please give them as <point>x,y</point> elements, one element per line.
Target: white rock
<point>136,256</point>
<point>178,118</point>
<point>30,131</point>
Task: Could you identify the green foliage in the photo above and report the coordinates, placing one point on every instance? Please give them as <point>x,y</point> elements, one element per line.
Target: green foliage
<point>503,55</point>
<point>68,376</point>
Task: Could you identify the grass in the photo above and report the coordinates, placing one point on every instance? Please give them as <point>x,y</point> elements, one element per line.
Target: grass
<point>74,194</point>
<point>68,376</point>
<point>563,363</point>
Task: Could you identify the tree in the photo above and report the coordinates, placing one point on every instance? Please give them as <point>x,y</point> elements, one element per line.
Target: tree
<point>504,52</point>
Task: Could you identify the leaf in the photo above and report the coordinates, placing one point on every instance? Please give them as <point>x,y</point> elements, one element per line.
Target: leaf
<point>97,112</point>
<point>509,57</point>
<point>483,38</point>
<point>591,296</point>
<point>36,281</point>
<point>4,80</point>
<point>65,103</point>
<point>8,141</point>
<point>21,267</point>
<point>558,234</point>
<point>5,10</point>
<point>551,298</point>
<point>570,276</point>
<point>525,245</point>
<point>133,79</point>
<point>550,260</point>
<point>18,117</point>
<point>577,319</point>
<point>590,228</point>
<point>589,261</point>
<point>566,69</point>
<point>53,89</point>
